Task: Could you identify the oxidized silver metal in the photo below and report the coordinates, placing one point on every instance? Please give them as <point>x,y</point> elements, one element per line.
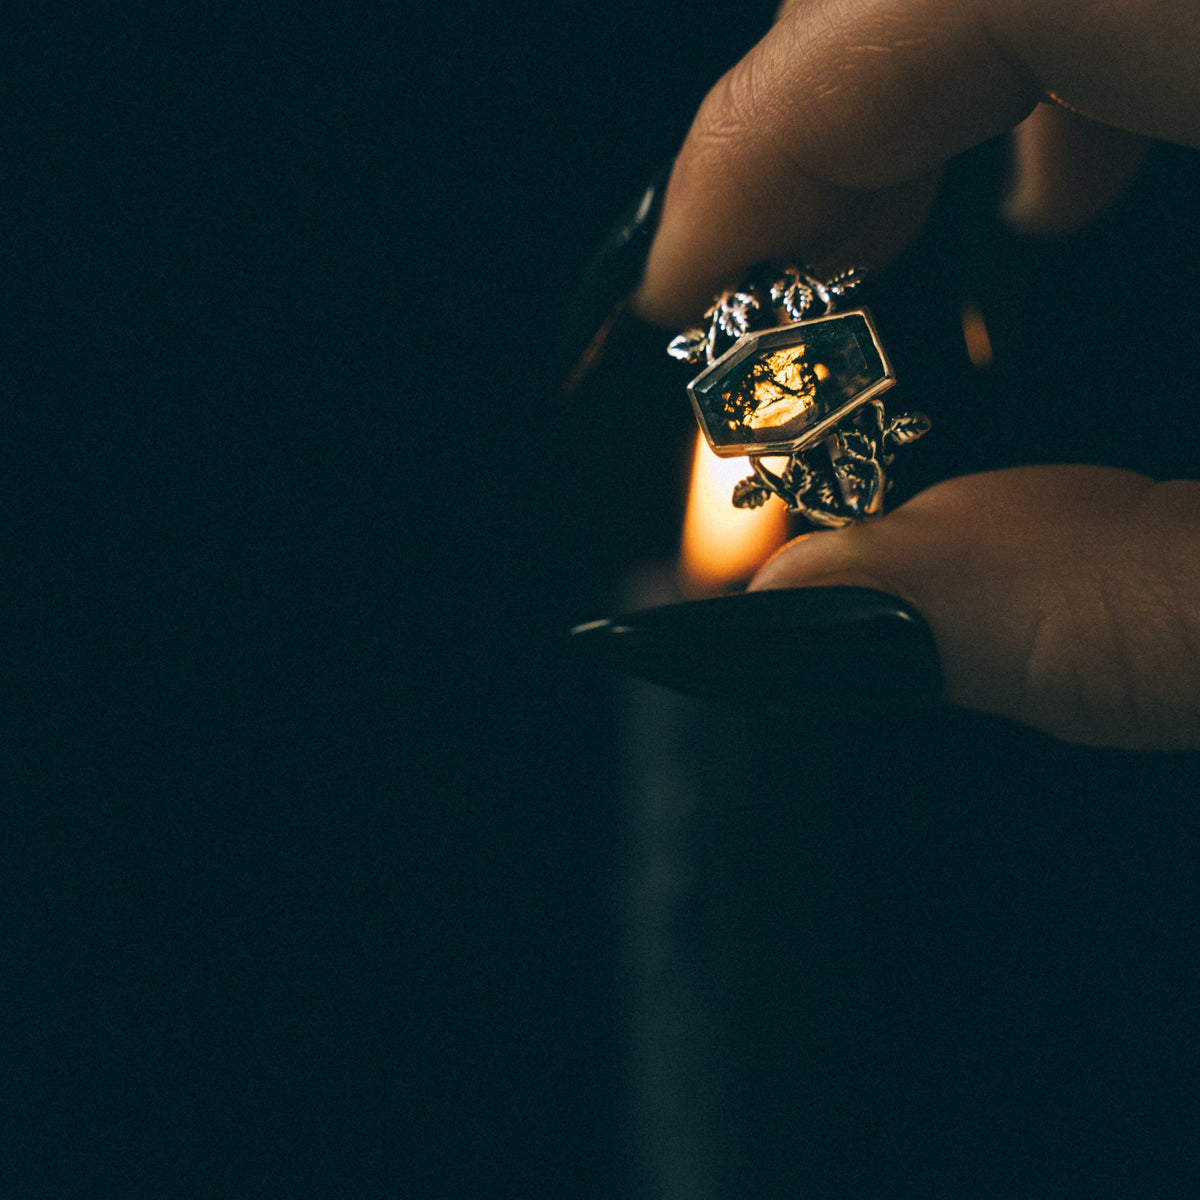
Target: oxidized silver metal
<point>788,376</point>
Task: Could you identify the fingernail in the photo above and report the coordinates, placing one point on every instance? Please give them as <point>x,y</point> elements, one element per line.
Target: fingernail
<point>836,649</point>
<point>597,305</point>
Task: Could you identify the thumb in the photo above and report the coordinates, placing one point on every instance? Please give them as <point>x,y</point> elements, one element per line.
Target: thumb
<point>1064,597</point>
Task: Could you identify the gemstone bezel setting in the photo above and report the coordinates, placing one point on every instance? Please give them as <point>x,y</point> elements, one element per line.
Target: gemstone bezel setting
<point>838,365</point>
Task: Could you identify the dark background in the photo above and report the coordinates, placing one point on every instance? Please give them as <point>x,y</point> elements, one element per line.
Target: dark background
<point>309,849</point>
<point>304,848</point>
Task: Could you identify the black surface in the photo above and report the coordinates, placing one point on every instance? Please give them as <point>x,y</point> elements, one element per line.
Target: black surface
<point>303,848</point>
<point>308,854</point>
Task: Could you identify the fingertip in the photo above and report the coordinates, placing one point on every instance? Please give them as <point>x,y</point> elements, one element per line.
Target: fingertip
<point>778,570</point>
<point>707,243</point>
<point>830,558</point>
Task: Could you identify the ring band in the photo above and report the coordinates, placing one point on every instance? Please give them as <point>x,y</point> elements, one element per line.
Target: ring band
<point>788,376</point>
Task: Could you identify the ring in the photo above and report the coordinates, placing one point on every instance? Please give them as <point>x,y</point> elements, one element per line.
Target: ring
<point>787,375</point>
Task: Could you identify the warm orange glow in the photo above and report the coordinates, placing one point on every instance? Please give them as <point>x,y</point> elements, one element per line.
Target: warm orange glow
<point>975,334</point>
<point>722,545</point>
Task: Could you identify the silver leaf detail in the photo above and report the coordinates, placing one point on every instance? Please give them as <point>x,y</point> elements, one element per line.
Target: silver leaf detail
<point>689,346</point>
<point>824,494</point>
<point>857,445</point>
<point>799,476</point>
<point>844,282</point>
<point>749,493</point>
<point>733,313</point>
<point>793,293</point>
<point>856,470</point>
<point>907,427</point>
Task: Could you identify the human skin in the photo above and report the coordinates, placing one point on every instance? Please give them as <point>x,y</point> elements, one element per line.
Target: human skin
<point>828,137</point>
<point>1066,597</point>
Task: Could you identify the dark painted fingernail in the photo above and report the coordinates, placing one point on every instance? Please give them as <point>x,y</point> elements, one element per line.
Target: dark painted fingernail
<point>835,649</point>
<point>597,305</point>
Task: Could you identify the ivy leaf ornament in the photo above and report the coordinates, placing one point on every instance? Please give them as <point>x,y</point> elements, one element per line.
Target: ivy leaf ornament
<point>690,346</point>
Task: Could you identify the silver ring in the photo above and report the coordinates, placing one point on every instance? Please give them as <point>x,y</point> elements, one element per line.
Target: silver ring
<point>787,375</point>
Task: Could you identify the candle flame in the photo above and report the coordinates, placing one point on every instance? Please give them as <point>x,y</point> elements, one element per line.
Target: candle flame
<point>975,334</point>
<point>722,545</point>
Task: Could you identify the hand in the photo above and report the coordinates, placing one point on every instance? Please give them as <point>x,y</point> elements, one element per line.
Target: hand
<point>826,141</point>
<point>1066,597</point>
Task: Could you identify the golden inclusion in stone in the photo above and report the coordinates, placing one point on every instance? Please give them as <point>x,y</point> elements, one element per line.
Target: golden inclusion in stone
<point>780,387</point>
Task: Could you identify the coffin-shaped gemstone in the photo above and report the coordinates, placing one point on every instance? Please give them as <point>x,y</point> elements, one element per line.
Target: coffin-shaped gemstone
<point>778,390</point>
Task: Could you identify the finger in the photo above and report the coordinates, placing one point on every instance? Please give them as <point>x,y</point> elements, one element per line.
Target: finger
<point>825,142</point>
<point>1068,169</point>
<point>1067,598</point>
